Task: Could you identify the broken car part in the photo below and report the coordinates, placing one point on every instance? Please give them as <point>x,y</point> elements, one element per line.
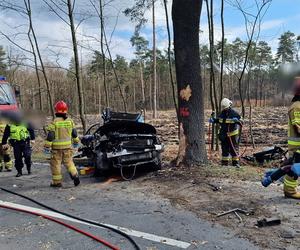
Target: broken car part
<point>268,222</point>
<point>121,142</point>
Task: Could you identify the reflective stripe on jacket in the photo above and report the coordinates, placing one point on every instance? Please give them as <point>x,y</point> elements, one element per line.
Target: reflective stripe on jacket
<point>228,125</point>
<point>294,122</point>
<point>60,134</point>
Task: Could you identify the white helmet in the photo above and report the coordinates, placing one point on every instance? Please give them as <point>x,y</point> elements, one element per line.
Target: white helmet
<point>225,103</point>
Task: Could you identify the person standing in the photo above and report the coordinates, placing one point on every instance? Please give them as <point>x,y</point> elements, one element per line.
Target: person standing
<point>6,162</point>
<point>20,135</point>
<point>230,123</point>
<point>61,134</point>
<point>290,169</point>
<point>291,181</point>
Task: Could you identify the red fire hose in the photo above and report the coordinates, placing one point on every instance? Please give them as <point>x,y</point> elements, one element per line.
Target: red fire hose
<point>98,239</point>
<point>231,143</point>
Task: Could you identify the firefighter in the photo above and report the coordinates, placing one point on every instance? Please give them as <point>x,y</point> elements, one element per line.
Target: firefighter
<point>61,134</point>
<point>21,135</point>
<point>291,178</point>
<point>230,122</point>
<point>4,154</point>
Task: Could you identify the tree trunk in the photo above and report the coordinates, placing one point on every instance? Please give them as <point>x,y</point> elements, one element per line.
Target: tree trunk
<point>28,9</point>
<point>222,51</point>
<point>77,68</point>
<point>154,63</point>
<point>103,53</point>
<point>190,90</point>
<point>169,58</point>
<point>142,84</point>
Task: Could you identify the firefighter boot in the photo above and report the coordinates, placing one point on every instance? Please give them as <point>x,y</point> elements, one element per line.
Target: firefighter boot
<point>290,188</point>
<point>225,160</point>
<point>55,185</point>
<point>75,179</point>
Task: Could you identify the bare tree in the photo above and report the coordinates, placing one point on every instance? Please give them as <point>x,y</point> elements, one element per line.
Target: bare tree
<point>252,23</point>
<point>65,11</point>
<point>154,62</point>
<point>71,5</point>
<point>169,57</point>
<point>34,46</point>
<point>104,38</point>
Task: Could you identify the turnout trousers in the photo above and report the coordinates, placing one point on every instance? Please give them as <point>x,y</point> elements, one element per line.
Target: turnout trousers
<point>230,150</point>
<point>5,159</point>
<point>59,157</point>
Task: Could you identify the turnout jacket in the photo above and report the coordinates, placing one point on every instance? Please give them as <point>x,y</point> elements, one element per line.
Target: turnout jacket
<point>294,126</point>
<point>61,133</point>
<point>228,124</point>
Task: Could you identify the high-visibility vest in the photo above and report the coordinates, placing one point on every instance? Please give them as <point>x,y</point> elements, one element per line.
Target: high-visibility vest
<point>63,133</point>
<point>293,134</point>
<point>18,132</point>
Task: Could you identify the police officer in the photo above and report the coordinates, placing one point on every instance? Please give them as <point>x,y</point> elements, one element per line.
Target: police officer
<point>5,159</point>
<point>229,121</point>
<point>61,134</point>
<point>20,135</point>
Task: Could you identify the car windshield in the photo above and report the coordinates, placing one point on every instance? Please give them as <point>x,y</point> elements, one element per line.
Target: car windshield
<point>6,94</point>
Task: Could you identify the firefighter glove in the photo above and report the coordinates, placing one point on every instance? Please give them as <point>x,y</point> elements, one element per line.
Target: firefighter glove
<point>211,120</point>
<point>47,151</point>
<point>236,120</point>
<point>296,169</point>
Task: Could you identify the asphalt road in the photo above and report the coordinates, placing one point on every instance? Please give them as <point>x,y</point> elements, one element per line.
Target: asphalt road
<point>125,204</point>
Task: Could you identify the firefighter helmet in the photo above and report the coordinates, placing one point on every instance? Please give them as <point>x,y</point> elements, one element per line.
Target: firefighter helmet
<point>225,103</point>
<point>61,107</point>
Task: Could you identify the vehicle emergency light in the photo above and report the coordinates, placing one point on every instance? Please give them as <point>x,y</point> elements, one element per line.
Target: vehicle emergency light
<point>2,78</point>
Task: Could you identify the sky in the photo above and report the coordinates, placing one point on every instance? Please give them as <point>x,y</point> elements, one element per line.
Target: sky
<point>54,35</point>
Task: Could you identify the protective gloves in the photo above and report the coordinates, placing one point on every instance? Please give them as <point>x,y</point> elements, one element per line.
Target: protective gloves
<point>47,151</point>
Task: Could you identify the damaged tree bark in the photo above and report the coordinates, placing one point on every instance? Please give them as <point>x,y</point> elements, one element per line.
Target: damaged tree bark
<point>192,149</point>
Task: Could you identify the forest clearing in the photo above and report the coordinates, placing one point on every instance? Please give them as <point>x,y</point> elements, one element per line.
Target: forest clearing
<point>149,124</point>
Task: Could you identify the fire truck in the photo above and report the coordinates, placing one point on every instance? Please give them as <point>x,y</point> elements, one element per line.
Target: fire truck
<point>8,94</point>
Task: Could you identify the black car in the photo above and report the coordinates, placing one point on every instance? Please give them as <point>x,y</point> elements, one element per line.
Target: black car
<point>123,140</point>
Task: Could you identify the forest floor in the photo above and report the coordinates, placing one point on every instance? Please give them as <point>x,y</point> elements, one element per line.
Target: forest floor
<point>212,189</point>
<point>209,190</point>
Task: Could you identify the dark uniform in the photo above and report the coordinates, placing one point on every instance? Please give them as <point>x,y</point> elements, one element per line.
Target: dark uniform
<point>19,136</point>
<point>230,122</point>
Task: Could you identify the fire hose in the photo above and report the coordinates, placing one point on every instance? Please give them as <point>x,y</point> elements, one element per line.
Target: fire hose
<point>209,139</point>
<point>233,146</point>
<point>75,217</point>
<point>76,229</point>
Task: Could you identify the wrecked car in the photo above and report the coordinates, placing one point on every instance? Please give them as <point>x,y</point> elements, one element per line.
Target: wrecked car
<point>122,141</point>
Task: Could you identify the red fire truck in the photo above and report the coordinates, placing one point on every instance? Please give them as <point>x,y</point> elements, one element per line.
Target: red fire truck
<point>8,93</point>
